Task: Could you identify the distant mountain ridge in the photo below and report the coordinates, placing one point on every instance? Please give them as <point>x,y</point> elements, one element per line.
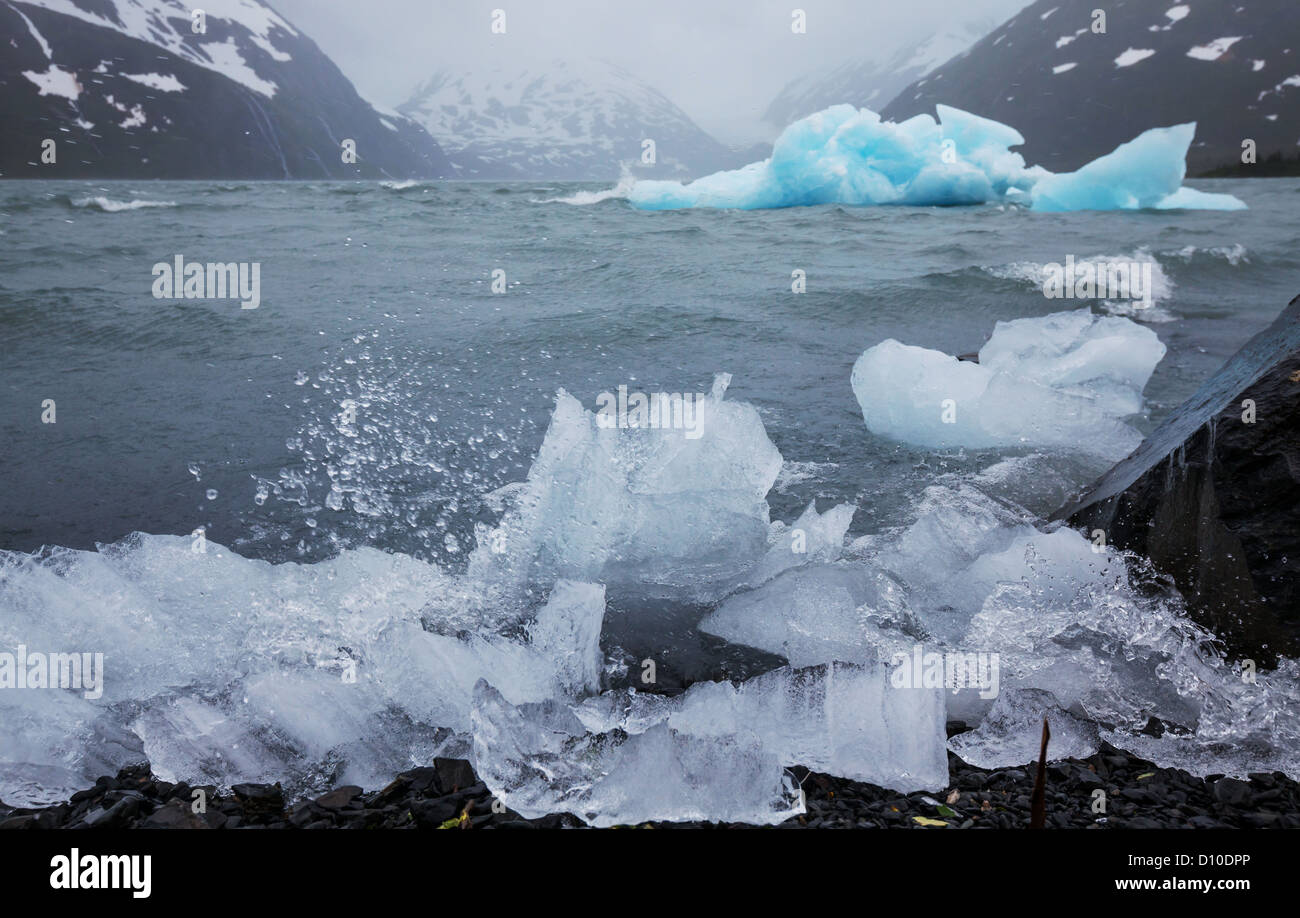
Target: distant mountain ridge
<point>871,83</point>
<point>128,89</point>
<point>1232,66</point>
<point>562,119</point>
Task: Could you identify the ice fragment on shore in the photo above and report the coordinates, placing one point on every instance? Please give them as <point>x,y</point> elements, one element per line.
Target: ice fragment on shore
<point>845,719</point>
<point>818,614</point>
<point>539,759</point>
<point>813,537</point>
<point>1011,733</point>
<point>637,504</point>
<point>223,669</point>
<point>716,752</point>
<point>567,634</point>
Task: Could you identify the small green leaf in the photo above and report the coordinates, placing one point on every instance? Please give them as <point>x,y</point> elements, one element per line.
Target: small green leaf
<point>947,811</point>
<point>1147,775</point>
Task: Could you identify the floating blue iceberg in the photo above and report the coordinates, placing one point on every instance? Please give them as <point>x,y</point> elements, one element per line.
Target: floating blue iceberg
<point>1063,381</point>
<point>846,156</point>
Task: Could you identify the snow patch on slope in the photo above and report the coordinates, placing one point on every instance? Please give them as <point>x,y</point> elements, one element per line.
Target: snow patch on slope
<point>1214,50</point>
<point>56,82</point>
<point>159,81</point>
<point>1133,56</point>
<point>226,59</point>
<point>167,24</point>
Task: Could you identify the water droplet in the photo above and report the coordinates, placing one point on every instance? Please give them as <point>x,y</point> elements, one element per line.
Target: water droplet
<point>212,494</point>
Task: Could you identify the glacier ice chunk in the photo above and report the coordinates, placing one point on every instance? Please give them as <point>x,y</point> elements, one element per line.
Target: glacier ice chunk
<point>820,613</point>
<point>1146,172</point>
<point>1068,617</point>
<point>223,669</point>
<point>951,527</point>
<point>718,750</point>
<point>1186,198</point>
<point>843,155</point>
<point>1011,733</point>
<point>1105,358</point>
<point>538,759</point>
<point>813,537</point>
<point>1072,623</point>
<point>54,743</point>
<point>567,633</point>
<point>187,739</point>
<point>1058,566</point>
<point>638,505</point>
<point>932,399</point>
<point>845,719</point>
<point>1061,381</point>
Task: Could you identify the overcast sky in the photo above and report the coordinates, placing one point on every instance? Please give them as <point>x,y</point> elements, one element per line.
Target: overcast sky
<point>722,61</point>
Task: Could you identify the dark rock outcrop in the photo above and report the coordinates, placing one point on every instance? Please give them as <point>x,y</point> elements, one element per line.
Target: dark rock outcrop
<point>1212,497</point>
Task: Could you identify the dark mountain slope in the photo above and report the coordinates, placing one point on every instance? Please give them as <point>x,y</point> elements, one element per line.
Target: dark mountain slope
<point>129,90</point>
<point>1232,66</point>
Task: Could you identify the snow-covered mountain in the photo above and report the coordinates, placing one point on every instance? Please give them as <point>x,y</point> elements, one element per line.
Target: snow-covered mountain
<point>871,83</point>
<point>1076,92</point>
<point>150,89</point>
<point>583,119</point>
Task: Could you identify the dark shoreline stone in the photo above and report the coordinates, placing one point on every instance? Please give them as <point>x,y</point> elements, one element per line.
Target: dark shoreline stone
<point>1214,501</point>
<point>1138,795</point>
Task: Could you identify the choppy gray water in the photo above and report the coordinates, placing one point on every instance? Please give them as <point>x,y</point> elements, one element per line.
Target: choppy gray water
<point>383,293</point>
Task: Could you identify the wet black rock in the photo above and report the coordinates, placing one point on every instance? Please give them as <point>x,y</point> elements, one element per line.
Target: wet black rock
<point>339,798</point>
<point>453,774</point>
<point>1231,792</point>
<point>1134,794</point>
<point>174,815</point>
<point>255,802</point>
<point>1212,497</point>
